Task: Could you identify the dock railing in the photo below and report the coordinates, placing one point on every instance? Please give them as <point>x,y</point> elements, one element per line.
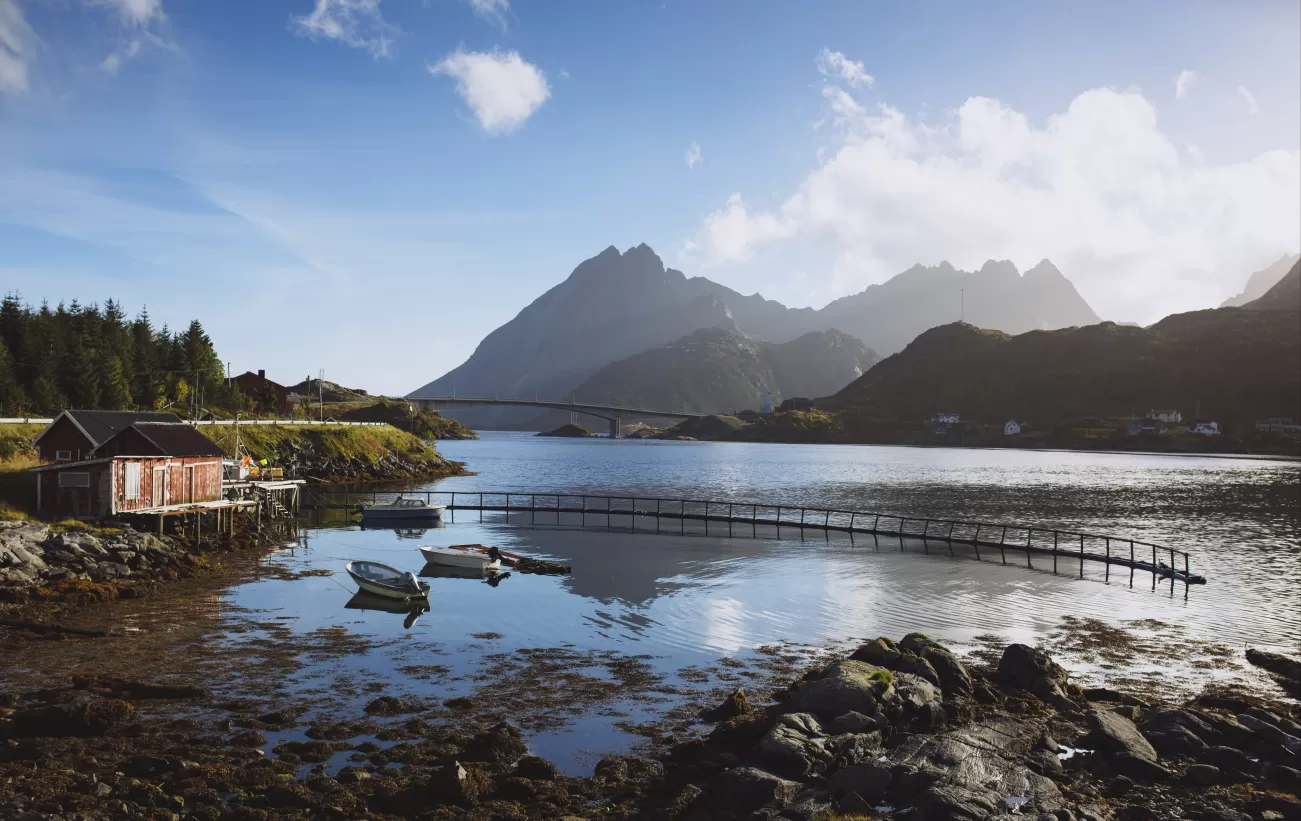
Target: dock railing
<point>1032,540</point>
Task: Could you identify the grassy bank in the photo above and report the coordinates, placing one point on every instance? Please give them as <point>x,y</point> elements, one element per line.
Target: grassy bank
<point>337,452</point>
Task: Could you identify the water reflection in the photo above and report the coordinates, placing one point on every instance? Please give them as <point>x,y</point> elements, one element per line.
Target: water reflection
<point>413,608</point>
<point>492,578</point>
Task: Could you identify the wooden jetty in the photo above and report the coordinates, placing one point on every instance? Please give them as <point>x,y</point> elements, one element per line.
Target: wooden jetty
<point>549,508</point>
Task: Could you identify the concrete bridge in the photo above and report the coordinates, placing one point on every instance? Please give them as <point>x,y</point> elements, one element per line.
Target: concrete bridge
<point>613,414</point>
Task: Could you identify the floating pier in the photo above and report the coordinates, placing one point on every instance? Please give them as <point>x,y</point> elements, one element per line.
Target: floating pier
<point>548,508</point>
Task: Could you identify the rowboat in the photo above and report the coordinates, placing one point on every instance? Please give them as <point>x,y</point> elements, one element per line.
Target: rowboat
<point>401,508</point>
<point>382,580</point>
<point>460,556</point>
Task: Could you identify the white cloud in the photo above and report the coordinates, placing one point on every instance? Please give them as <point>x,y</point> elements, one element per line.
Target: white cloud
<point>491,10</point>
<point>136,12</point>
<point>1098,188</point>
<point>837,66</point>
<point>16,43</point>
<point>1252,106</point>
<point>356,23</point>
<point>694,156</point>
<point>503,90</point>
<point>114,61</point>
<point>1184,83</point>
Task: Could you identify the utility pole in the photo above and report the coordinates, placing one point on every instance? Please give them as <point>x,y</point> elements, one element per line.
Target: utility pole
<point>320,392</point>
<point>962,309</point>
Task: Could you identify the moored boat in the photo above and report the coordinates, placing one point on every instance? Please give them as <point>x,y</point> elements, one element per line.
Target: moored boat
<point>382,580</point>
<point>401,508</point>
<point>460,556</point>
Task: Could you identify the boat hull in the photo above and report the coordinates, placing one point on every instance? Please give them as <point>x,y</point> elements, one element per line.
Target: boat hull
<point>382,514</point>
<point>389,588</point>
<point>444,557</point>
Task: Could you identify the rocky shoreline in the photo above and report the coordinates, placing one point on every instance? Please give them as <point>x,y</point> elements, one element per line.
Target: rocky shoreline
<point>47,570</point>
<point>903,731</point>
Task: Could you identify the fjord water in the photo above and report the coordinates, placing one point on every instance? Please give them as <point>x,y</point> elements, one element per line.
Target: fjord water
<point>689,600</point>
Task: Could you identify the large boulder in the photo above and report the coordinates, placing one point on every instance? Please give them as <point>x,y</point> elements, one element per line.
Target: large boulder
<point>884,653</point>
<point>1113,733</point>
<point>1023,669</point>
<point>796,746</point>
<point>870,780</point>
<point>743,790</point>
<point>845,686</point>
<point>954,678</point>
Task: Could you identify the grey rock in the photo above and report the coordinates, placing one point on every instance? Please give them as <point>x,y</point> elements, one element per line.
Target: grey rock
<point>795,746</point>
<point>1112,732</point>
<point>870,781</point>
<point>1176,741</point>
<point>954,678</point>
<point>1287,777</point>
<point>882,652</point>
<point>853,722</point>
<point>1025,669</point>
<point>1203,774</point>
<point>950,801</point>
<point>843,687</point>
<point>1136,812</point>
<point>1271,733</point>
<point>1137,768</point>
<point>1230,758</point>
<point>746,789</point>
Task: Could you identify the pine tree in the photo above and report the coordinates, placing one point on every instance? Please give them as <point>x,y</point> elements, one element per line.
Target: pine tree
<point>11,393</point>
<point>115,390</point>
<point>147,377</point>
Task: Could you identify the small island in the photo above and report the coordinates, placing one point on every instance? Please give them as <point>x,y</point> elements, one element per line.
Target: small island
<point>571,431</point>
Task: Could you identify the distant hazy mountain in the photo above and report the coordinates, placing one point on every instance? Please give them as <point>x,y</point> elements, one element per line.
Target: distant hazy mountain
<point>1261,281</point>
<point>1232,364</point>
<point>720,370</point>
<point>1284,296</point>
<point>615,305</point>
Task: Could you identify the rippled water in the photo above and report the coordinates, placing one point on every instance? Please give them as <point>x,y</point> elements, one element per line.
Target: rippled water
<point>688,600</point>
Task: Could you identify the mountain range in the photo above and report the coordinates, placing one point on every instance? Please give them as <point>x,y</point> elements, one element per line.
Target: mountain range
<point>1232,365</point>
<point>721,370</point>
<point>1261,281</point>
<point>615,305</point>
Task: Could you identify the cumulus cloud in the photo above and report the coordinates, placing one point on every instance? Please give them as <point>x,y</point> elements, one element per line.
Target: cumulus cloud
<point>503,90</point>
<point>1099,189</point>
<point>694,156</point>
<point>1252,106</point>
<point>493,11</point>
<point>356,23</point>
<point>1184,83</point>
<point>837,66</point>
<point>16,43</point>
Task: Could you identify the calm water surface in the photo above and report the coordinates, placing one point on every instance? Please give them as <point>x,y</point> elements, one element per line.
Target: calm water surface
<point>689,600</point>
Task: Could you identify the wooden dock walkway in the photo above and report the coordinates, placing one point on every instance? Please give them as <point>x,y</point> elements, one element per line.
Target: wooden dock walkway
<point>1161,561</point>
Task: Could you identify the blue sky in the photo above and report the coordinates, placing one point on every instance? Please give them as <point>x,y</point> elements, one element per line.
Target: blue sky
<point>370,186</point>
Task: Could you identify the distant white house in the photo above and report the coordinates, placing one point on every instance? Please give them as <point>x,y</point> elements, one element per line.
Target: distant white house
<point>1207,428</point>
<point>1140,428</point>
<point>946,419</point>
<point>1012,428</point>
<point>1167,415</point>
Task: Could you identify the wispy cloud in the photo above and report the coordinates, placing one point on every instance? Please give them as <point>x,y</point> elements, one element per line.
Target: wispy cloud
<point>17,41</point>
<point>356,23</point>
<point>1252,106</point>
<point>502,89</point>
<point>135,12</point>
<point>494,11</point>
<point>837,66</point>
<point>114,61</point>
<point>694,156</point>
<point>1184,83</point>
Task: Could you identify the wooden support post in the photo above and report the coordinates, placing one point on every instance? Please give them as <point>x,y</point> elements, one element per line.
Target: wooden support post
<point>1131,562</point>
<point>1107,572</point>
<point>1081,555</point>
<point>1029,536</point>
<point>1054,552</point>
<point>160,524</point>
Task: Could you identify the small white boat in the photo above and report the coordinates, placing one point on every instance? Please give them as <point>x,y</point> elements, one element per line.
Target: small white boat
<point>382,580</point>
<point>457,556</point>
<point>401,508</point>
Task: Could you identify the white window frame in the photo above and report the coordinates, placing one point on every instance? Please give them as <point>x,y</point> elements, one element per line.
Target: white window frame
<point>66,478</point>
<point>63,456</point>
<point>131,481</point>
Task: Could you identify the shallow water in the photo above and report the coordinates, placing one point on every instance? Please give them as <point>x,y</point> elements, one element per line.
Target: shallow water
<point>693,608</point>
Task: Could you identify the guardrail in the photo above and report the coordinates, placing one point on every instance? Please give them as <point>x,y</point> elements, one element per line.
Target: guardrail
<point>1128,553</point>
<point>25,421</point>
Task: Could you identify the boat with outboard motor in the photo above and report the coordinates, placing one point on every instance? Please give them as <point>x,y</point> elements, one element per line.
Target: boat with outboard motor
<point>383,580</point>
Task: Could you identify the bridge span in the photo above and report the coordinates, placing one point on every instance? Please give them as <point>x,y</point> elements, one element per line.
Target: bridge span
<point>613,414</point>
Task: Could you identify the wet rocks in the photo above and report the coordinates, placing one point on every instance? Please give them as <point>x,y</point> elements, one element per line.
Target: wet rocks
<point>1023,669</point>
<point>744,790</point>
<point>734,705</point>
<point>82,717</point>
<point>501,744</point>
<point>882,652</point>
<point>534,768</point>
<point>843,687</point>
<point>1286,670</point>
<point>390,706</point>
<point>248,739</point>
<point>1112,732</point>
<point>796,746</point>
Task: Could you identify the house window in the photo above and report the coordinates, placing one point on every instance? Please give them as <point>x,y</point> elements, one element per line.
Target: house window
<point>63,456</point>
<point>69,479</point>
<point>132,483</point>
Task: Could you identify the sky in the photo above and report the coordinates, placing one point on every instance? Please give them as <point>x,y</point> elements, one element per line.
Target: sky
<point>370,186</point>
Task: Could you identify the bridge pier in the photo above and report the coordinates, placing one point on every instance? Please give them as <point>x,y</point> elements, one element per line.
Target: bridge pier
<point>616,426</point>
